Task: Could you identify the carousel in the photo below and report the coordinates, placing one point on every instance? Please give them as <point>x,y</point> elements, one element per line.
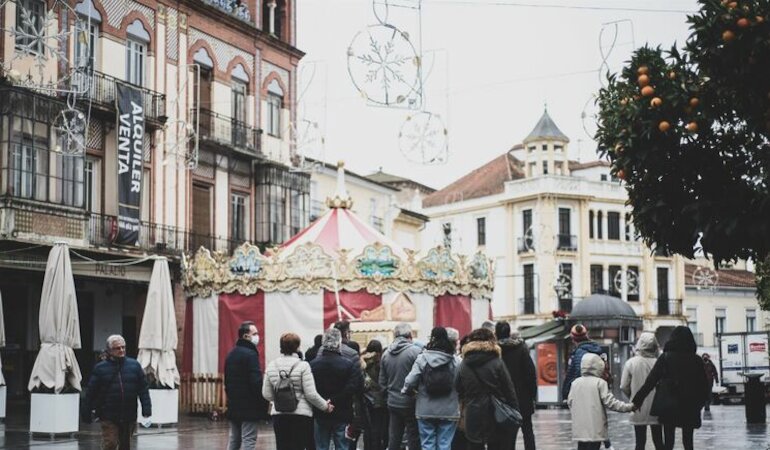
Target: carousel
<point>338,268</point>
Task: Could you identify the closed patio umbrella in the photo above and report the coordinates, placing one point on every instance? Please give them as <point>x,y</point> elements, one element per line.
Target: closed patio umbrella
<point>157,337</point>
<point>59,324</point>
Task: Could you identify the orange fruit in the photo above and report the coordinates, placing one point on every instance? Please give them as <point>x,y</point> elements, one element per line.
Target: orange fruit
<point>672,75</point>
<point>732,5</point>
<point>759,19</point>
<point>621,174</point>
<point>642,70</point>
<point>643,80</point>
<point>728,36</point>
<point>743,23</point>
<point>656,102</point>
<point>624,102</point>
<point>648,91</point>
<point>694,102</point>
<point>664,126</point>
<point>692,127</point>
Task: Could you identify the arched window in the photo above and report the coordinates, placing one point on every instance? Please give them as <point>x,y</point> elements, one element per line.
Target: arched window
<point>274,107</point>
<point>136,52</point>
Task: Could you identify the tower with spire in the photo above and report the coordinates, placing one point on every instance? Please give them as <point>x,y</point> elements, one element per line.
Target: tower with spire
<point>546,149</point>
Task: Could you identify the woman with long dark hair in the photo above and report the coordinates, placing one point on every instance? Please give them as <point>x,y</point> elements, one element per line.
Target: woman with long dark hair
<point>376,423</point>
<point>679,380</point>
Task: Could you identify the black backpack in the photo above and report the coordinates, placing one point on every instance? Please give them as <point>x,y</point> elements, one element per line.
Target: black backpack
<point>284,395</point>
<point>439,381</point>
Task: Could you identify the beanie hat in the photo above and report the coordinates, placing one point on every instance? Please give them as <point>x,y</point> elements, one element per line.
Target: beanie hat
<point>579,333</point>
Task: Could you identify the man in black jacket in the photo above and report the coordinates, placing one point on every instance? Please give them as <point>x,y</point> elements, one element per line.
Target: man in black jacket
<point>340,380</point>
<point>243,384</point>
<point>520,367</point>
<point>112,390</point>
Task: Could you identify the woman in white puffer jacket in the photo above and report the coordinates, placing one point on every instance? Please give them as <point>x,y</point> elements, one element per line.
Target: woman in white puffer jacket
<point>293,430</point>
<point>588,398</point>
<point>634,373</point>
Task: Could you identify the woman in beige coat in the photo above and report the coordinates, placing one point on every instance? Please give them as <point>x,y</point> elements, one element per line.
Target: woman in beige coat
<point>634,373</point>
<point>588,398</point>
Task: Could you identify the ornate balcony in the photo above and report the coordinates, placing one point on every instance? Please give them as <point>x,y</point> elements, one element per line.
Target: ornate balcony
<point>221,130</point>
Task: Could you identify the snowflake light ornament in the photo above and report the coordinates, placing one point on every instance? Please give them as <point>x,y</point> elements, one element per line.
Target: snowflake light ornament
<point>181,144</point>
<point>705,278</point>
<point>590,117</point>
<point>423,139</point>
<point>41,58</point>
<point>632,282</point>
<point>385,67</point>
<point>563,285</point>
<point>70,126</point>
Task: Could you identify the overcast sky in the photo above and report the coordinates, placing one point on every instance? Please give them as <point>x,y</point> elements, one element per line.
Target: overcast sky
<point>494,66</point>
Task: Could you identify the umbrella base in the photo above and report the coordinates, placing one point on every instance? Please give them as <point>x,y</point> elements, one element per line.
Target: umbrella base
<point>165,407</point>
<point>54,413</point>
<point>3,395</point>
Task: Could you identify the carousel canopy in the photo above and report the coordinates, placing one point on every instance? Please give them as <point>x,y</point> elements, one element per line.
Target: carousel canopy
<point>337,252</point>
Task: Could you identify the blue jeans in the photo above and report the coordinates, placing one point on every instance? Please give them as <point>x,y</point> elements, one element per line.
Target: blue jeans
<point>436,433</point>
<point>328,431</point>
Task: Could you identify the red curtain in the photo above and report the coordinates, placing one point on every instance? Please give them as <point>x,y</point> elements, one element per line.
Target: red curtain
<point>187,343</point>
<point>235,309</point>
<point>453,311</point>
<point>353,304</point>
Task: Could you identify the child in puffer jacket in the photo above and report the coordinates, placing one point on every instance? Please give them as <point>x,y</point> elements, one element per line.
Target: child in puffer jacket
<point>588,401</point>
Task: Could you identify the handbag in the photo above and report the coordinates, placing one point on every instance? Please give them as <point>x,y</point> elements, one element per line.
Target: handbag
<point>504,413</point>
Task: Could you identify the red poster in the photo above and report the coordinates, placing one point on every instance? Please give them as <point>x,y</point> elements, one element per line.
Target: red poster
<point>547,368</point>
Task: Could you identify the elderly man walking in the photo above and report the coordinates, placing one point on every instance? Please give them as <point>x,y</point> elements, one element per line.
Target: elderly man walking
<point>115,384</point>
<point>397,362</point>
<point>243,385</point>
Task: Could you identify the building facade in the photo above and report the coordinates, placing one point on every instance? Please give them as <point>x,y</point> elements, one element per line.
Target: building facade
<point>217,82</point>
<point>720,301</point>
<point>559,231</point>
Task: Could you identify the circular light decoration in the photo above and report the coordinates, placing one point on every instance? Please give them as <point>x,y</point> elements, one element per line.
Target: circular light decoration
<point>632,282</point>
<point>705,278</point>
<point>423,139</point>
<point>70,126</point>
<point>307,139</point>
<point>385,67</point>
<point>41,58</point>
<point>590,117</point>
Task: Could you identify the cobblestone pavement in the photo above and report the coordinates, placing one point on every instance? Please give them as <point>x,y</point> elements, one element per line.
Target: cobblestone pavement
<point>725,429</point>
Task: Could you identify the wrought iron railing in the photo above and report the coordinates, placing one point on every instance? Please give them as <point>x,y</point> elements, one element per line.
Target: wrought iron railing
<point>524,245</point>
<point>154,237</point>
<point>669,307</point>
<point>228,131</point>
<point>101,89</point>
<point>567,242</point>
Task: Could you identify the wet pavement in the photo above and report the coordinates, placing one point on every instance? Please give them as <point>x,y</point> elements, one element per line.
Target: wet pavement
<point>724,429</point>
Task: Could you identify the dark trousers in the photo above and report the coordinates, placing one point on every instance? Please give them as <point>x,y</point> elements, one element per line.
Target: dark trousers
<point>589,445</point>
<point>502,438</point>
<point>640,431</point>
<point>293,432</point>
<point>376,432</point>
<point>117,435</point>
<point>402,419</point>
<point>669,432</point>
<point>526,432</point>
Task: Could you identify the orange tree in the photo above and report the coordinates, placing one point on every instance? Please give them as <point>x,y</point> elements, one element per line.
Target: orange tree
<point>688,131</point>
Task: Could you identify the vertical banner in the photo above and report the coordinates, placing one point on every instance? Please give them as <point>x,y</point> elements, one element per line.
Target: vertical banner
<point>130,163</point>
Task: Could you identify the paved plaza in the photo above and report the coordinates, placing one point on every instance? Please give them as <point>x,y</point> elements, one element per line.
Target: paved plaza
<point>725,429</point>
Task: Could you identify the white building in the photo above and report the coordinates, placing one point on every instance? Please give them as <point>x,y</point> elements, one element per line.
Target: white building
<point>559,230</point>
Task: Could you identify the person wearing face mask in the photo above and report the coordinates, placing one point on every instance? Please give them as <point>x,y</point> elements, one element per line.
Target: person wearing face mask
<point>115,384</point>
<point>243,386</point>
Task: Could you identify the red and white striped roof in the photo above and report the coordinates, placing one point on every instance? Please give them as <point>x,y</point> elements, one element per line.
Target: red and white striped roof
<point>340,228</point>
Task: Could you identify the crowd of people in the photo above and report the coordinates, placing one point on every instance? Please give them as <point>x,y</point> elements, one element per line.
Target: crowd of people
<point>473,392</point>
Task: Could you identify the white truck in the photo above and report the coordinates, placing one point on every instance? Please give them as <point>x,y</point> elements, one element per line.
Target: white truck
<point>742,354</point>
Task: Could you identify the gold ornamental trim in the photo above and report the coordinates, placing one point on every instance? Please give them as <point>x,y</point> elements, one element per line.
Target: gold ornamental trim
<point>309,269</point>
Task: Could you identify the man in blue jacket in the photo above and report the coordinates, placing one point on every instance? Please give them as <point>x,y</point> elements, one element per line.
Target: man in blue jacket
<point>583,345</point>
<point>243,386</point>
<point>112,390</point>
